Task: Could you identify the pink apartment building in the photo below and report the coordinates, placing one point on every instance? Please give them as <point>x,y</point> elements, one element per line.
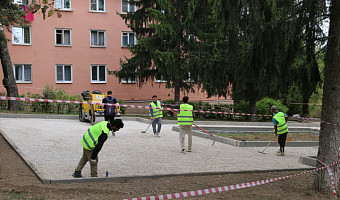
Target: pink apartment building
<point>78,51</point>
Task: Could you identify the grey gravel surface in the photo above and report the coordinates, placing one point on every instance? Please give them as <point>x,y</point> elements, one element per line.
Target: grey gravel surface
<point>52,147</point>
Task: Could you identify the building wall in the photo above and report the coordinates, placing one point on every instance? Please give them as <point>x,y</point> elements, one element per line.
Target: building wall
<point>43,54</point>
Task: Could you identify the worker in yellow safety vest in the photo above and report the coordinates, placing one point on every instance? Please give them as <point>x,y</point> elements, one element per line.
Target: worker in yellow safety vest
<point>93,141</point>
<point>281,128</point>
<point>156,114</point>
<point>185,120</point>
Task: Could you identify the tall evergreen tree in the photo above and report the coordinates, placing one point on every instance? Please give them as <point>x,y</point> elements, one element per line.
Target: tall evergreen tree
<point>257,44</point>
<point>162,37</point>
<point>329,131</point>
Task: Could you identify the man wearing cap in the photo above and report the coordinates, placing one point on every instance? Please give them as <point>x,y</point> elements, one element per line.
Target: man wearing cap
<point>93,141</point>
<point>281,128</point>
<point>156,114</point>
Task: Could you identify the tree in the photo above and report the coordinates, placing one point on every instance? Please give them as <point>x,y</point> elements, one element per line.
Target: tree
<point>161,30</point>
<point>259,43</point>
<point>9,14</point>
<point>329,131</point>
<point>12,14</point>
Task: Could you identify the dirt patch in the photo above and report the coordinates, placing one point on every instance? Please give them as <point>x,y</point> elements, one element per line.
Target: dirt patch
<point>269,136</point>
<point>17,181</point>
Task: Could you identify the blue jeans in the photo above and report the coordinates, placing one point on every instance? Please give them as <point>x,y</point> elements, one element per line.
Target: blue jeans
<point>157,121</point>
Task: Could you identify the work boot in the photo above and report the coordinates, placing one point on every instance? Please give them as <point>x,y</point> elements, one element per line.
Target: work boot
<point>77,174</point>
<point>280,154</point>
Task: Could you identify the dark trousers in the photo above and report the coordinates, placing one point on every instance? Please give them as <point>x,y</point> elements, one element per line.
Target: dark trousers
<point>282,141</point>
<point>109,117</point>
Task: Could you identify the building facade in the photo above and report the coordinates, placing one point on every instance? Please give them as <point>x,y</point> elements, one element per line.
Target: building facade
<point>79,51</point>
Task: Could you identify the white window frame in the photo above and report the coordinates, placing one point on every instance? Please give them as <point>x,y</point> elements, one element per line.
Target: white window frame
<point>20,2</point>
<point>97,6</point>
<point>159,80</point>
<point>56,73</point>
<point>63,33</point>
<point>22,36</point>
<point>128,81</point>
<point>98,81</point>
<point>98,38</point>
<point>128,7</point>
<point>62,2</point>
<point>23,73</point>
<point>127,33</point>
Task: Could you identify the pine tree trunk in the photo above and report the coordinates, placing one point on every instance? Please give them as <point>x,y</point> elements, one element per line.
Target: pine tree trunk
<point>305,107</point>
<point>252,102</point>
<point>177,93</point>
<point>329,133</point>
<point>8,81</point>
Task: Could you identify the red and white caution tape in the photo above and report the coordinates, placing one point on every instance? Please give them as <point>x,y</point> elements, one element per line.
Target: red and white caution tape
<point>330,173</point>
<point>133,106</point>
<point>225,188</point>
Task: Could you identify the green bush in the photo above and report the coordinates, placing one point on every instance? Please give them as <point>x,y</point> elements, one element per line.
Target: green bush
<point>263,107</point>
<point>122,109</point>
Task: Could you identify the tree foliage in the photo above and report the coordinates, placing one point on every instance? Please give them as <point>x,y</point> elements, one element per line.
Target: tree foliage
<point>161,51</point>
<point>264,47</point>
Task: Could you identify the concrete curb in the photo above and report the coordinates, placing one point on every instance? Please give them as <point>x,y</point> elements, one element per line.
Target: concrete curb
<point>308,160</point>
<point>85,180</point>
<point>23,157</point>
<point>238,143</point>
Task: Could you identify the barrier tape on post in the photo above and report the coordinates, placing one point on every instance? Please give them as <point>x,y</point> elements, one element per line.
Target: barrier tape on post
<point>225,188</point>
<point>133,106</point>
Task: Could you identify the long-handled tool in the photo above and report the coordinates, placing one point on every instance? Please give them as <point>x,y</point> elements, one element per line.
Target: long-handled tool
<point>215,137</point>
<point>148,127</point>
<point>267,146</point>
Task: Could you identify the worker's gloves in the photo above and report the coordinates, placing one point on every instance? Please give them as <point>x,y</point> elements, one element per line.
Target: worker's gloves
<point>93,162</point>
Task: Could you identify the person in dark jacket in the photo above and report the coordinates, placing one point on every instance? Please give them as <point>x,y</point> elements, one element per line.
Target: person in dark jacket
<point>109,111</point>
<point>93,141</point>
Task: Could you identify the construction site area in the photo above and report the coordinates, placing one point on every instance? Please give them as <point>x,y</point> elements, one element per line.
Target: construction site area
<point>51,148</point>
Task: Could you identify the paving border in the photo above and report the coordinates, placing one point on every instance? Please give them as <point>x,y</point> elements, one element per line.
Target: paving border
<point>22,155</point>
<point>308,160</point>
<point>238,143</point>
<point>84,180</point>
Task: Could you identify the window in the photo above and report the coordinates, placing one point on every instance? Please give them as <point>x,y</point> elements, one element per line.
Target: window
<point>64,73</point>
<point>63,37</point>
<point>62,4</point>
<point>98,74</point>
<point>98,38</point>
<point>97,5</point>
<point>160,79</point>
<point>23,73</point>
<point>127,7</point>
<point>21,35</point>
<point>128,38</point>
<point>129,80</point>
<point>23,2</point>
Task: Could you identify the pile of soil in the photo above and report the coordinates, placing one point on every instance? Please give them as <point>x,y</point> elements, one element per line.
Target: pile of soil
<point>17,181</point>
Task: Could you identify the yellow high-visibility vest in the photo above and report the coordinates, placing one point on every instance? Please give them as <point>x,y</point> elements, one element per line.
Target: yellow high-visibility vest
<point>282,127</point>
<point>156,112</point>
<point>185,117</point>
<point>90,138</point>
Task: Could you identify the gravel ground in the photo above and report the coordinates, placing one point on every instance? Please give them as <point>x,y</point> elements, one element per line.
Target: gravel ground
<point>52,148</point>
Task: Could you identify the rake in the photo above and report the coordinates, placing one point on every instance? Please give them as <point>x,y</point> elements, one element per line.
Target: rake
<point>148,127</point>
<point>215,137</point>
<point>267,146</point>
